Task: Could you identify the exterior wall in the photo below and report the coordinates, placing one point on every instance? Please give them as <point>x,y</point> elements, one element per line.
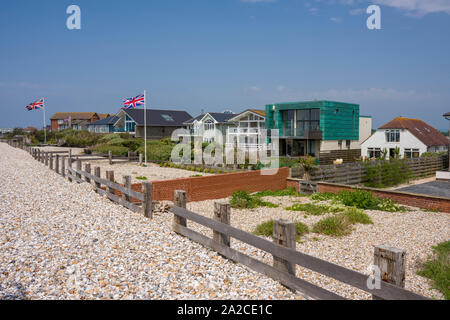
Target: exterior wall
<point>365,129</point>
<point>338,120</point>
<point>333,145</point>
<point>407,140</point>
<point>217,186</point>
<point>155,132</point>
<point>416,200</point>
<point>54,125</point>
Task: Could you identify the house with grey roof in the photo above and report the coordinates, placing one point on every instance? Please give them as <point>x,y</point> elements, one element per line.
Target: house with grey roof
<point>103,126</point>
<point>159,123</point>
<point>204,126</point>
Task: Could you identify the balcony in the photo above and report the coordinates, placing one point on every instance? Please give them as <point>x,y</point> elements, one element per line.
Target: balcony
<point>312,133</point>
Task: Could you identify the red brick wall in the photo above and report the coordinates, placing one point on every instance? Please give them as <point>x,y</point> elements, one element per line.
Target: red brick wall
<point>293,184</point>
<point>217,186</point>
<point>406,198</point>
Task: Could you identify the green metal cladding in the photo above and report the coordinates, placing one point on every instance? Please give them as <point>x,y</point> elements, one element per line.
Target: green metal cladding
<point>338,120</point>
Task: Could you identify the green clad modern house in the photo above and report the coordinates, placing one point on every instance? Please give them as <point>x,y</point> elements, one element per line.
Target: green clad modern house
<point>327,130</point>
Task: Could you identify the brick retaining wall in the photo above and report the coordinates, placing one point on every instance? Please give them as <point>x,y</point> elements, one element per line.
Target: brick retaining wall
<point>217,186</point>
<point>441,204</point>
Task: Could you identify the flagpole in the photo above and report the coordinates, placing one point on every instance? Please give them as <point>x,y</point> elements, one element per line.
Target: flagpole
<point>45,126</point>
<point>145,126</point>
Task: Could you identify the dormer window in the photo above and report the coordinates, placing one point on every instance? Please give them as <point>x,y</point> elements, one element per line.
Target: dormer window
<point>393,135</point>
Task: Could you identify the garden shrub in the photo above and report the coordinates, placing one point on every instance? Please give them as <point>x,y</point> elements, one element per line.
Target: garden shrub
<point>244,200</point>
<point>313,209</point>
<point>333,226</point>
<point>266,229</point>
<point>437,268</point>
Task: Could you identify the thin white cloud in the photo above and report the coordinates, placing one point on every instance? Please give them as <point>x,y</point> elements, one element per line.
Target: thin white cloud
<point>335,19</point>
<point>418,7</point>
<point>357,11</point>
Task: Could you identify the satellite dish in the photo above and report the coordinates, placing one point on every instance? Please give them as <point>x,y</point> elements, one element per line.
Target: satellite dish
<point>228,112</point>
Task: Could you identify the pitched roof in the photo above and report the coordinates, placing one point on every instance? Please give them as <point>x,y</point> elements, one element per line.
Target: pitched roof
<point>257,111</point>
<point>261,113</point>
<point>73,115</point>
<point>159,117</point>
<point>103,115</point>
<point>423,131</point>
<point>199,117</point>
<point>221,117</point>
<point>106,121</point>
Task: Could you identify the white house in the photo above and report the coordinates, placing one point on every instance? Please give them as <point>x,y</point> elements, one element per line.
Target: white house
<point>205,125</point>
<point>412,136</point>
<point>246,134</point>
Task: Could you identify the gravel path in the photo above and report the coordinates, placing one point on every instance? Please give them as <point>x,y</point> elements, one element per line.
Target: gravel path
<point>63,241</point>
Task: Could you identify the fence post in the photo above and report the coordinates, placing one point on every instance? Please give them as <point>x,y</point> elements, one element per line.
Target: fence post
<point>69,174</point>
<point>63,166</point>
<point>51,161</point>
<point>129,155</point>
<point>179,200</point>
<point>392,265</point>
<point>70,157</point>
<point>110,177</point>
<point>148,203</point>
<point>140,159</point>
<point>78,168</point>
<point>110,157</point>
<point>127,185</point>
<point>284,234</point>
<point>97,174</point>
<point>57,164</point>
<point>39,155</point>
<point>87,168</point>
<point>221,214</point>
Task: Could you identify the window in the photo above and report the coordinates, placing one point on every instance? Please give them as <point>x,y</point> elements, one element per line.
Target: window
<point>393,135</point>
<point>347,143</point>
<point>340,144</point>
<point>308,119</point>
<point>411,153</point>
<point>374,152</point>
<point>209,125</point>
<point>60,121</point>
<point>167,117</point>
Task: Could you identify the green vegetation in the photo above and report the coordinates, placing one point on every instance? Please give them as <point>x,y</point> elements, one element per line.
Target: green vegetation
<point>333,226</point>
<point>382,174</point>
<point>266,229</point>
<point>244,200</point>
<point>312,209</point>
<point>360,199</point>
<point>433,154</point>
<point>341,224</point>
<point>437,268</point>
<point>141,178</point>
<point>278,193</point>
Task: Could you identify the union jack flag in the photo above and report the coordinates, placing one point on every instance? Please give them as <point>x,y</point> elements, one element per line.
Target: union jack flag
<point>36,105</point>
<point>134,102</point>
<point>67,118</point>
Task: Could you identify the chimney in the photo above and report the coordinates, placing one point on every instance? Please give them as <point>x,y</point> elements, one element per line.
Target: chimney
<point>203,111</point>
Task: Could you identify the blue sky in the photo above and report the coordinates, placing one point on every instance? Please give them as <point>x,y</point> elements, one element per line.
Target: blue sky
<point>225,54</point>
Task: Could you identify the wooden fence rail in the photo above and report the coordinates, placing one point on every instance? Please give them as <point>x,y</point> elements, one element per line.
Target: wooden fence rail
<point>355,173</point>
<point>110,186</point>
<point>56,161</point>
<point>285,256</point>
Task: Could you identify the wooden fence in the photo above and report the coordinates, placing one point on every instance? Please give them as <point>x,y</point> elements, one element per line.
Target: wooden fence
<point>390,261</point>
<point>355,173</point>
<point>121,194</point>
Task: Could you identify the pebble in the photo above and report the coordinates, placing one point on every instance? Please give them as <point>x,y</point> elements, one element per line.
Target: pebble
<point>47,250</point>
